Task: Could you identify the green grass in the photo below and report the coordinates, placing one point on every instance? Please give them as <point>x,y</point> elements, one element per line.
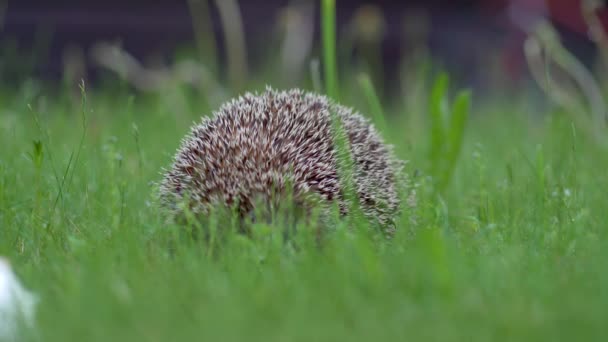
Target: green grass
<point>345,161</point>
<point>508,241</point>
<point>328,28</point>
<point>515,249</point>
<point>447,130</point>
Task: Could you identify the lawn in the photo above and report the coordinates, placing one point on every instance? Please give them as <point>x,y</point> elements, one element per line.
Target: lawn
<point>513,249</point>
<point>508,240</point>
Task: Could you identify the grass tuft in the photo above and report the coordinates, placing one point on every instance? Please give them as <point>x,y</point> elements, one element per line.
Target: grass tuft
<point>447,130</point>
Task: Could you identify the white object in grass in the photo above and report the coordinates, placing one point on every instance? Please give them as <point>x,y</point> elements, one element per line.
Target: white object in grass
<point>17,304</point>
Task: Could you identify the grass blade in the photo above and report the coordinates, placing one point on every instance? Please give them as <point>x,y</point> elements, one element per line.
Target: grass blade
<point>455,135</point>
<point>315,76</point>
<point>328,28</point>
<point>232,23</point>
<point>375,107</point>
<point>438,112</point>
<point>203,32</point>
<point>343,156</point>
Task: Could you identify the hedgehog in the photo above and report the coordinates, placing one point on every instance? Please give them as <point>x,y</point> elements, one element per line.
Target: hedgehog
<point>258,147</point>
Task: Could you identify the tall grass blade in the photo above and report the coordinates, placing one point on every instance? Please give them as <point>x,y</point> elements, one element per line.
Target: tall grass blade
<point>375,107</point>
<point>328,28</point>
<point>455,135</point>
<point>438,113</point>
<point>315,76</point>
<point>343,157</point>
<point>203,32</point>
<point>232,23</point>
<point>577,90</point>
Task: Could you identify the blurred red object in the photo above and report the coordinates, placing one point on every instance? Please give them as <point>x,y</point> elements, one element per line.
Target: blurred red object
<point>518,17</point>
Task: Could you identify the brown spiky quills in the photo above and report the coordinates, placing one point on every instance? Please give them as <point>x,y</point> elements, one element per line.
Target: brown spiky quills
<point>259,146</point>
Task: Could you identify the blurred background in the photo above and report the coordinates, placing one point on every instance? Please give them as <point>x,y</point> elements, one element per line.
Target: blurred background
<point>209,42</point>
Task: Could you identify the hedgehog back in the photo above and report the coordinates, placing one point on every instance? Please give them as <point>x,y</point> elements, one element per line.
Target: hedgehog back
<point>256,146</point>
